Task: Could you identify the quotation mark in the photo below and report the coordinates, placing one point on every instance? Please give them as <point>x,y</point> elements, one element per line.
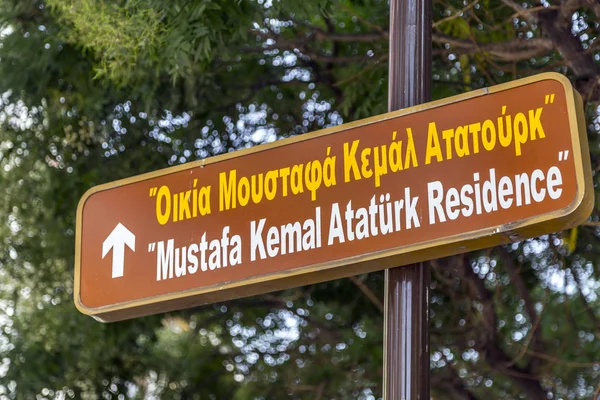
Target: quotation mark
<point>151,246</point>
<point>563,155</point>
<point>549,99</point>
<point>153,191</point>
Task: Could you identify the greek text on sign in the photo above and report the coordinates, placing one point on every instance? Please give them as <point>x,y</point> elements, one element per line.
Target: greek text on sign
<point>488,167</point>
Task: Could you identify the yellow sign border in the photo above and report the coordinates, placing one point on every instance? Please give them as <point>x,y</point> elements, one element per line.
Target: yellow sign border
<point>569,216</point>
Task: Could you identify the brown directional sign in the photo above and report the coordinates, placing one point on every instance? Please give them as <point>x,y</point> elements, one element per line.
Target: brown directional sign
<point>488,167</point>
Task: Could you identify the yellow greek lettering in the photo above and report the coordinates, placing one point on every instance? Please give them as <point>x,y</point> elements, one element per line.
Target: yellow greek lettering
<point>313,174</point>
<point>227,196</point>
<point>411,154</point>
<point>271,184</point>
<point>433,145</point>
<point>350,164</point>
<point>474,130</point>
<point>284,173</point>
<point>535,125</point>
<point>366,171</point>
<point>505,130</point>
<point>195,199</point>
<point>243,191</point>
<point>461,141</point>
<point>488,135</point>
<point>448,135</point>
<point>395,154</point>
<point>380,164</point>
<point>520,131</point>
<point>296,179</point>
<point>163,196</point>
<point>204,200</point>
<point>329,169</point>
<point>184,205</point>
<point>256,187</point>
<point>175,200</point>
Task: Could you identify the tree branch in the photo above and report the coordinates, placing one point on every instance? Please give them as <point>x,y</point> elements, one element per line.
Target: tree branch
<point>515,277</point>
<point>514,50</point>
<point>489,346</point>
<point>588,309</point>
<point>367,292</point>
<point>457,14</point>
<point>556,25</point>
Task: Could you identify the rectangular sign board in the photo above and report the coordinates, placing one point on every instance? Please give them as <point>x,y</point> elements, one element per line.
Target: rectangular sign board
<point>488,167</point>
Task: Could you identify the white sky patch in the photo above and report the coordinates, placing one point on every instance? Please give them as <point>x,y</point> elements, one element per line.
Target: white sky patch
<point>6,31</point>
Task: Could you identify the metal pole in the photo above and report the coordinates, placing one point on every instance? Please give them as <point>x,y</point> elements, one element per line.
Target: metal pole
<point>406,332</point>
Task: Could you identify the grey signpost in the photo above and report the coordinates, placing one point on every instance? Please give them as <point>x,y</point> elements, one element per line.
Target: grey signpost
<point>406,332</point>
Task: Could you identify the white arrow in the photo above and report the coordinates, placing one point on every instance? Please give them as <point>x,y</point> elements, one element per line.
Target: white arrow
<point>118,238</point>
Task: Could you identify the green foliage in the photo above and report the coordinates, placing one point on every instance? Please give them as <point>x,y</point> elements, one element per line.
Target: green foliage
<point>119,35</point>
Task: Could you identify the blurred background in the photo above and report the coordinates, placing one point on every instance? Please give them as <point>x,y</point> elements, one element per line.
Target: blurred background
<point>93,91</point>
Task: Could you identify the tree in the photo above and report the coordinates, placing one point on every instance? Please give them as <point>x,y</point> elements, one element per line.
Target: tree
<point>96,91</point>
